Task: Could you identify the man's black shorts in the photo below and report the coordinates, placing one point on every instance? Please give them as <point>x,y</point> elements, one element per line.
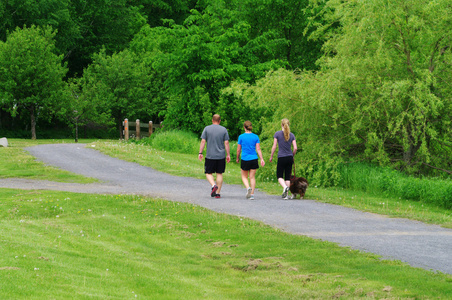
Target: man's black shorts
<point>247,165</point>
<point>215,166</point>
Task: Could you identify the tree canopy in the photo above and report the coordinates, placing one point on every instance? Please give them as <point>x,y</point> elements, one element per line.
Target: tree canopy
<point>31,74</point>
<point>383,91</point>
<point>359,80</point>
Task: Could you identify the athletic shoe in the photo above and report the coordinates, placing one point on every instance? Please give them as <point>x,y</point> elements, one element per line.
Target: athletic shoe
<point>284,194</point>
<point>214,191</point>
<point>217,196</point>
<point>286,198</point>
<point>251,197</point>
<point>248,193</point>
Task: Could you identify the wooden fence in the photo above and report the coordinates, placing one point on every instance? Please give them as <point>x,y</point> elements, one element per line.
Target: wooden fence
<point>137,133</point>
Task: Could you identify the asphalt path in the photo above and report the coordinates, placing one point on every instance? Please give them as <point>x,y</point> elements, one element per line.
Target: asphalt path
<point>415,243</point>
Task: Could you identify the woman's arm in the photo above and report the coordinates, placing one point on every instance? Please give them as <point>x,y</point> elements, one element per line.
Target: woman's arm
<point>275,142</point>
<point>259,152</point>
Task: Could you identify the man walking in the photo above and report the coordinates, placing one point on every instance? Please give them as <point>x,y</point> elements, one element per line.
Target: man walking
<point>217,139</point>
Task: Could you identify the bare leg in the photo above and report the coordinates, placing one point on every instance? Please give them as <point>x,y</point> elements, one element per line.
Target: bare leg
<point>210,179</point>
<point>219,181</point>
<point>245,178</point>
<point>288,183</point>
<point>282,182</point>
<point>253,180</point>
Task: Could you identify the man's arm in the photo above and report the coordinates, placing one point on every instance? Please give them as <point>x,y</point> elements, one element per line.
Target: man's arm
<point>226,146</point>
<point>201,149</point>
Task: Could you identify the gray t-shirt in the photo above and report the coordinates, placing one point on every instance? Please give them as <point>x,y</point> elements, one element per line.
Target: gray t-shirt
<point>285,148</point>
<point>215,136</point>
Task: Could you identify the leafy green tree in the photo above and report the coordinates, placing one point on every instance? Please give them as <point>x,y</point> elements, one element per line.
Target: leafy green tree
<point>55,13</point>
<point>288,21</point>
<point>200,58</point>
<point>31,74</point>
<point>83,27</point>
<point>383,92</point>
<point>102,24</point>
<point>391,81</point>
<point>157,11</point>
<point>81,110</point>
<point>117,85</point>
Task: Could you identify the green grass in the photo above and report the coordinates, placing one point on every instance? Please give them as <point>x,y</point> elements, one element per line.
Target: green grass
<point>389,182</point>
<point>61,245</point>
<point>18,163</point>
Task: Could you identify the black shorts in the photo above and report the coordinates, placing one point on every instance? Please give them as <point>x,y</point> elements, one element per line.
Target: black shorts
<point>214,166</point>
<point>247,165</point>
<point>284,167</point>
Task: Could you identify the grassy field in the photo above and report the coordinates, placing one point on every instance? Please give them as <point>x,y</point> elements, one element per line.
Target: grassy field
<point>60,245</point>
<point>17,163</point>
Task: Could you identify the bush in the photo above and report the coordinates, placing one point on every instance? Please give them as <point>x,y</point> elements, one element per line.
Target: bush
<point>173,140</point>
<point>179,141</point>
<point>383,180</point>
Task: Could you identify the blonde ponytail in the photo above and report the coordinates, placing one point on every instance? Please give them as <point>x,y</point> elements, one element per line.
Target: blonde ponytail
<point>286,129</point>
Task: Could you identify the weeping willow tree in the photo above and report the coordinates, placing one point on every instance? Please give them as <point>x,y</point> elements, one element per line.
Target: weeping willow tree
<point>382,94</point>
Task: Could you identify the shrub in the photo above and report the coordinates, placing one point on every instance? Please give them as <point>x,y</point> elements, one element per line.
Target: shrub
<point>383,180</point>
<point>173,140</point>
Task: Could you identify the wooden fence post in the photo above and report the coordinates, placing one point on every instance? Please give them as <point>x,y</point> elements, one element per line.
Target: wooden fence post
<point>137,129</point>
<point>151,129</point>
<point>126,130</point>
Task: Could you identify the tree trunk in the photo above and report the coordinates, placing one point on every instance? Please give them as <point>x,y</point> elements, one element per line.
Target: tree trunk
<point>76,130</point>
<point>33,123</point>
<point>121,136</point>
<point>409,154</point>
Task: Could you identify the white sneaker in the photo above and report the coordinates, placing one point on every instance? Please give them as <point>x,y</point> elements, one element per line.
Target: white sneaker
<point>251,197</point>
<point>284,194</point>
<point>248,193</point>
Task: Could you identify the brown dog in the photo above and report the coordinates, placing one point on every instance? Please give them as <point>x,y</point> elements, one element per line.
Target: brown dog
<point>298,186</point>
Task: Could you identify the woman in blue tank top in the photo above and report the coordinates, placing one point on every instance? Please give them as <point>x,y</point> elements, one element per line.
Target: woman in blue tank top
<point>248,147</point>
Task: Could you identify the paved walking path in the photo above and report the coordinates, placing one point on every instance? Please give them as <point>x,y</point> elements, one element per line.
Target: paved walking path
<point>418,244</point>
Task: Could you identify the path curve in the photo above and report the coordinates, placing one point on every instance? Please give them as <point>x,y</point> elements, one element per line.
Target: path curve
<point>418,244</point>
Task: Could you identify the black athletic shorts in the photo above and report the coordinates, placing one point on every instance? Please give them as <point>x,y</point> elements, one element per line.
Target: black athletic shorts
<point>284,167</point>
<point>215,166</point>
<point>247,165</point>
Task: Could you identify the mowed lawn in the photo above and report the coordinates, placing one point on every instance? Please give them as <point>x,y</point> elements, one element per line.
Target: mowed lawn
<point>59,245</point>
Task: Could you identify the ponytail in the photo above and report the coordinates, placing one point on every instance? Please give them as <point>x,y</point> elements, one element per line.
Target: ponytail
<point>286,129</point>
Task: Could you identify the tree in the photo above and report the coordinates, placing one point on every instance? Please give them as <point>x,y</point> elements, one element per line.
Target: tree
<point>391,81</point>
<point>102,24</point>
<point>31,74</point>
<point>83,27</point>
<point>81,110</point>
<point>118,85</point>
<point>198,59</point>
<point>383,92</point>
<point>288,21</point>
<point>157,11</point>
<point>55,13</point>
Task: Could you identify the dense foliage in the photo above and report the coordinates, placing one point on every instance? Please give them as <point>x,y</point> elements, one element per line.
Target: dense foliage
<point>31,74</point>
<point>382,93</point>
<point>360,80</point>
